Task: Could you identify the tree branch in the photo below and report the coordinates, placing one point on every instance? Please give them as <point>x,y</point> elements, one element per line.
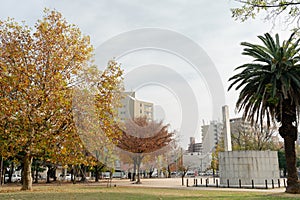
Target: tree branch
<point>269,6</point>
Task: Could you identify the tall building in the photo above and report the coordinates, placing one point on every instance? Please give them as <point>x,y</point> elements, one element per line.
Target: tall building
<point>211,135</point>
<point>133,108</point>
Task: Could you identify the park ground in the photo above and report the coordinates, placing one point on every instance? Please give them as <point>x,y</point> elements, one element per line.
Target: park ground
<point>149,189</point>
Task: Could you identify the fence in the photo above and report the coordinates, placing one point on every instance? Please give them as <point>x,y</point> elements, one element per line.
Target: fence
<point>215,182</point>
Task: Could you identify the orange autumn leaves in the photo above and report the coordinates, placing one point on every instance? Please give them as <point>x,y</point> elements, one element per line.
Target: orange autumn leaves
<point>39,69</point>
<point>142,136</point>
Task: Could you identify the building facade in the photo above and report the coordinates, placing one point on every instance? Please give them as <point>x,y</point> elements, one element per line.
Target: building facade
<point>211,135</point>
<point>133,108</point>
<point>194,147</point>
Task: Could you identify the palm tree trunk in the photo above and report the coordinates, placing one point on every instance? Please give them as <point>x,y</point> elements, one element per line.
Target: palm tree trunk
<point>290,154</point>
<point>289,133</point>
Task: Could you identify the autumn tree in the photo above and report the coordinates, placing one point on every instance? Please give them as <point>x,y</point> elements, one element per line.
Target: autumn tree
<point>183,167</point>
<point>288,10</point>
<point>214,165</point>
<point>245,136</point>
<point>39,70</point>
<point>170,157</point>
<point>142,137</point>
<point>93,122</point>
<point>95,105</point>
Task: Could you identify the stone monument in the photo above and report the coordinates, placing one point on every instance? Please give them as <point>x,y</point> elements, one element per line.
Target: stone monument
<point>227,133</point>
<point>241,167</point>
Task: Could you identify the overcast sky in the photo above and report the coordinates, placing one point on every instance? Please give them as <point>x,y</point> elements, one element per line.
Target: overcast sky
<point>159,74</point>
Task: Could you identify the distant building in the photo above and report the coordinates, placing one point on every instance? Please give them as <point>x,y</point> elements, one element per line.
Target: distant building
<point>211,135</point>
<point>193,157</point>
<point>194,147</point>
<point>133,108</point>
<point>239,125</point>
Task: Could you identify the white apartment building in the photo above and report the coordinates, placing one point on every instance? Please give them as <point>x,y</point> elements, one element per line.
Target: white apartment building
<point>133,108</point>
<point>211,135</point>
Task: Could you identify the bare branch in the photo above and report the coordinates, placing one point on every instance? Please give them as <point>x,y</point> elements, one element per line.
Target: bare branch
<point>269,6</point>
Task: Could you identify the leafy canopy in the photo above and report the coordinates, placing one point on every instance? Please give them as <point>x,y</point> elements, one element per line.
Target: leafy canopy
<point>273,9</point>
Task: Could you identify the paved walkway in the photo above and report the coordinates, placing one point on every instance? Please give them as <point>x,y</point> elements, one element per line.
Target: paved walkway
<point>176,183</point>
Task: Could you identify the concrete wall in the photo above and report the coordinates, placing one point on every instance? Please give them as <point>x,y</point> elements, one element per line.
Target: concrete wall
<point>247,166</point>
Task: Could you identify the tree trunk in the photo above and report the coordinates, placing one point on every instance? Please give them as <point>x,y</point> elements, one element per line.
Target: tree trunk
<point>134,169</point>
<point>48,175</point>
<point>36,173</point>
<point>169,172</point>
<point>83,173</point>
<point>289,133</point>
<point>151,172</point>
<point>4,172</point>
<point>11,171</point>
<point>1,171</point>
<point>290,154</point>
<point>183,175</point>
<point>74,173</point>
<point>138,171</point>
<point>54,174</point>
<point>27,179</point>
<point>96,174</point>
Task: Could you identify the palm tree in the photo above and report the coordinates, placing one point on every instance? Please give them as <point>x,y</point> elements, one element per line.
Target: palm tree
<point>270,91</point>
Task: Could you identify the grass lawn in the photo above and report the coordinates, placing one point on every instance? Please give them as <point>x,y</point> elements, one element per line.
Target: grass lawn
<point>82,192</point>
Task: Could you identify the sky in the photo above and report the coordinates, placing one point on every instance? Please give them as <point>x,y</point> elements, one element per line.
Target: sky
<point>178,54</point>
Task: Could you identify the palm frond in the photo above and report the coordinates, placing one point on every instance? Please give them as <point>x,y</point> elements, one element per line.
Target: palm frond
<point>272,77</point>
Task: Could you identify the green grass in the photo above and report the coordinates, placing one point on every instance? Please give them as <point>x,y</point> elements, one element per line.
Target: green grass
<point>90,192</point>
